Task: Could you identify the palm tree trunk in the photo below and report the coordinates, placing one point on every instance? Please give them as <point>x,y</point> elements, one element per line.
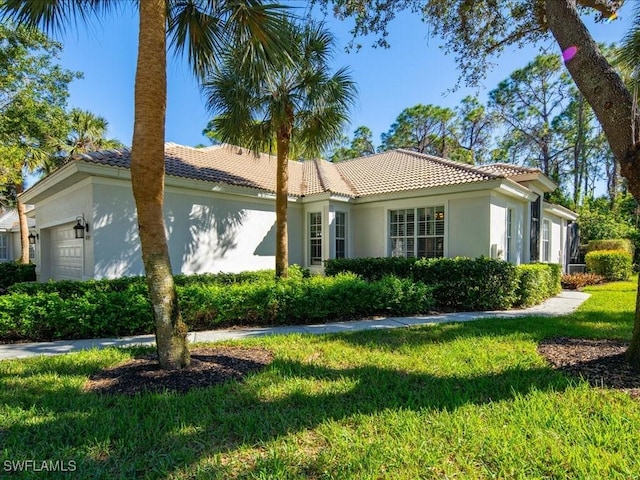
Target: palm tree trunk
<point>147,178</point>
<point>611,102</point>
<point>283,139</point>
<point>24,227</point>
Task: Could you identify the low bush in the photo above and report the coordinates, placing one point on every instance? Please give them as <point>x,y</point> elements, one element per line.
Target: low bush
<point>371,268</point>
<point>307,300</point>
<point>537,282</point>
<point>613,265</point>
<point>623,244</point>
<point>458,283</point>
<point>13,272</point>
<point>120,307</point>
<point>469,283</point>
<point>576,281</point>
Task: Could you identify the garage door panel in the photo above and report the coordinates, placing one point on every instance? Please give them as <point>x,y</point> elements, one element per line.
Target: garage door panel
<point>66,253</point>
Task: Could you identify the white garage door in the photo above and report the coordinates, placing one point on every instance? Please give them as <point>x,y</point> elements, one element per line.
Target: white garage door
<point>66,253</point>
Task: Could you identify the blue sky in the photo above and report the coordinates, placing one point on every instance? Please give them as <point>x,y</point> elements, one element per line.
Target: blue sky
<point>414,70</point>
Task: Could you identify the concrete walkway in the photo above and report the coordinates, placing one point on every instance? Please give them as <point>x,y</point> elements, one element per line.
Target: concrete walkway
<point>563,304</point>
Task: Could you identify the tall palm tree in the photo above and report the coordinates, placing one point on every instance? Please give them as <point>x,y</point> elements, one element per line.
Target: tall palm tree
<point>296,101</point>
<point>87,133</point>
<point>202,29</point>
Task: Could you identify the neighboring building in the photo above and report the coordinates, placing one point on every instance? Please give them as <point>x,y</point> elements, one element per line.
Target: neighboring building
<point>220,212</point>
<point>10,235</point>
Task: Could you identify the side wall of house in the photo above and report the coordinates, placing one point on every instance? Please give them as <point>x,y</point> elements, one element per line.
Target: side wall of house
<point>508,219</point>
<point>557,238</point>
<point>207,232</point>
<point>467,220</point>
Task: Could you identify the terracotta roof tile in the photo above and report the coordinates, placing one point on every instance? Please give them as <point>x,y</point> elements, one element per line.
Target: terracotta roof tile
<point>403,170</point>
<point>508,170</point>
<point>392,171</point>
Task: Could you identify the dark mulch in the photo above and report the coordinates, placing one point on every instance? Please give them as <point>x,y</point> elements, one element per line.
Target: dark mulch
<point>209,366</point>
<point>599,362</point>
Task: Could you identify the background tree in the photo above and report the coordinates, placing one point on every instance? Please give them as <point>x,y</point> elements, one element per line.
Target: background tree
<point>202,30</point>
<point>423,128</point>
<point>526,105</point>
<point>475,128</point>
<point>87,133</point>
<point>360,145</point>
<point>33,97</point>
<point>295,101</point>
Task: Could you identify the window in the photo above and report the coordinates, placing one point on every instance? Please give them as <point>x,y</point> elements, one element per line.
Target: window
<point>546,235</point>
<point>4,246</point>
<point>315,238</point>
<point>341,235</point>
<point>417,232</point>
<point>509,235</point>
<point>534,238</point>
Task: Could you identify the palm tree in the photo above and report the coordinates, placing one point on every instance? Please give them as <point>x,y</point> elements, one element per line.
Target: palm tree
<point>87,133</point>
<point>294,100</point>
<point>201,29</point>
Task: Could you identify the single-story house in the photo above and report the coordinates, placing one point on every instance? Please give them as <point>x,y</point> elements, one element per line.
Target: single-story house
<point>220,212</point>
<point>10,248</point>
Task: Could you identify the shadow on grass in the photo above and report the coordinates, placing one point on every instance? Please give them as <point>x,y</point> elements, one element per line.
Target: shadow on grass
<point>159,434</point>
<point>117,436</point>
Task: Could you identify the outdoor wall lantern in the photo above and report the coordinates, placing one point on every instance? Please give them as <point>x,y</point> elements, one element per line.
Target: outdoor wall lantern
<point>33,237</point>
<point>81,227</point>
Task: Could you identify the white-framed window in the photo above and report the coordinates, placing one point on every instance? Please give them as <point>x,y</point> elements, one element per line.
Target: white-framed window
<point>315,238</point>
<point>341,234</point>
<point>546,241</point>
<point>4,246</point>
<point>417,232</point>
<point>509,236</point>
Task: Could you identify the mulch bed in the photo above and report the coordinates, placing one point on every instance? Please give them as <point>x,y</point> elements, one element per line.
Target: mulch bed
<point>209,366</point>
<point>599,362</point>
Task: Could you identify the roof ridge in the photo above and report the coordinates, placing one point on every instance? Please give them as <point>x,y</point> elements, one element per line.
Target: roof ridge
<point>452,163</point>
<point>510,165</point>
<point>322,176</point>
<point>344,178</point>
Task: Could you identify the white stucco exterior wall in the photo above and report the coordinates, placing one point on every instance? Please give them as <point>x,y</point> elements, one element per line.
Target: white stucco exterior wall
<point>207,232</point>
<point>61,210</point>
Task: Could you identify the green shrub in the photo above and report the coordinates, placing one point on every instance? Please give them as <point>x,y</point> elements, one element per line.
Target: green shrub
<point>120,307</point>
<point>611,264</point>
<point>616,244</point>
<point>537,282</point>
<point>301,300</point>
<point>13,272</point>
<point>458,283</point>
<point>371,268</point>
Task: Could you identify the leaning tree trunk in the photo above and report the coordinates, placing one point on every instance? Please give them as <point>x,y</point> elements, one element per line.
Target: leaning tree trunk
<point>24,226</point>
<point>611,102</point>
<point>147,178</point>
<point>283,139</point>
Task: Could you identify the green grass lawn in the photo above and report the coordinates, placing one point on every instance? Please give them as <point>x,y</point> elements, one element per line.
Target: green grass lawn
<point>470,400</point>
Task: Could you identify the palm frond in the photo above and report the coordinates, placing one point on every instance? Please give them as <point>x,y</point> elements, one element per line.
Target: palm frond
<point>55,15</point>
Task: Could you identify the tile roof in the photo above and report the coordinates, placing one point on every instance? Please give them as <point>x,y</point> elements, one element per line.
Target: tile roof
<point>508,170</point>
<point>391,171</point>
<point>403,170</point>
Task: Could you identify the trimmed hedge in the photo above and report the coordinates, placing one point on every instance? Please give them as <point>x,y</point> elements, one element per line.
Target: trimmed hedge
<point>120,307</point>
<point>464,283</point>
<point>537,282</point>
<point>13,272</point>
<point>611,264</point>
<point>294,301</point>
<point>615,244</point>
